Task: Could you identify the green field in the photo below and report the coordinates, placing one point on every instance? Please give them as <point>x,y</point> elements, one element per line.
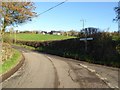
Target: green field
<point>40,37</point>
<point>115,37</point>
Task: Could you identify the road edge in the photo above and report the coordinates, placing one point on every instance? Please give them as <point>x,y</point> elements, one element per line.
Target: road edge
<point>57,82</point>
<point>6,75</point>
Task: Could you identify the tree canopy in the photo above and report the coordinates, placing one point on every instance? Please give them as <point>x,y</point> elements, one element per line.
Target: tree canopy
<point>117,18</point>
<point>117,10</point>
<point>16,12</point>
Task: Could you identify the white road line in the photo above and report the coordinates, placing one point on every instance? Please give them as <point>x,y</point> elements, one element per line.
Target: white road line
<point>92,70</point>
<point>104,79</point>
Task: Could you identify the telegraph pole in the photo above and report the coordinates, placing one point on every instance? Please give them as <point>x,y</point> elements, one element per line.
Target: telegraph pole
<point>15,36</point>
<point>83,21</point>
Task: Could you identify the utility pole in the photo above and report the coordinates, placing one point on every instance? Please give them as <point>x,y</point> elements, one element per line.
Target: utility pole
<point>15,36</point>
<point>83,21</point>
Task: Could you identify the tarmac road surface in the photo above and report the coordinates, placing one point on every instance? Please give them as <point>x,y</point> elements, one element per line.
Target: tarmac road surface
<point>49,71</point>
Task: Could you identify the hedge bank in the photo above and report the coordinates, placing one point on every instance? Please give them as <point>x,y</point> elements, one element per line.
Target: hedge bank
<point>101,50</point>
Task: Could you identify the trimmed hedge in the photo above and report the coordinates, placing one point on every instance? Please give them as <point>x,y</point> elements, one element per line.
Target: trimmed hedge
<point>102,50</point>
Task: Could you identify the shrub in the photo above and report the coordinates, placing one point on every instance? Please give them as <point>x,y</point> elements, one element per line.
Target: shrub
<point>7,39</point>
<point>6,51</point>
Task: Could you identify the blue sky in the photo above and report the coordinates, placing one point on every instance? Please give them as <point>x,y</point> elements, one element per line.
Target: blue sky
<point>67,16</point>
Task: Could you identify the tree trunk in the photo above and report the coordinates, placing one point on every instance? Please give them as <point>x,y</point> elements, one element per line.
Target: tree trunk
<point>1,43</point>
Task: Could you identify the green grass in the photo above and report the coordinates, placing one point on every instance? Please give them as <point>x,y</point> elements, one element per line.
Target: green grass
<point>115,37</point>
<point>25,46</point>
<point>10,63</point>
<point>40,37</point>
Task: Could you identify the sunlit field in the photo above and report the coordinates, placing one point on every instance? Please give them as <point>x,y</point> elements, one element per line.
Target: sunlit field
<point>39,37</point>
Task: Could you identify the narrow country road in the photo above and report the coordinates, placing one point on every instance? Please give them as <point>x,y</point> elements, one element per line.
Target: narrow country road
<point>48,71</point>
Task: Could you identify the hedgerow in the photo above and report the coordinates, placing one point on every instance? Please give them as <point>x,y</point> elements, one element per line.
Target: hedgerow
<point>101,50</point>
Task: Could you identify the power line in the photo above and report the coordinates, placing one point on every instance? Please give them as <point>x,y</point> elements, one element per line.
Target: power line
<point>52,8</point>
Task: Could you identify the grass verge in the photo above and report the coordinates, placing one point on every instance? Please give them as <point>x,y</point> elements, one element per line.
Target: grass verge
<point>10,63</point>
<point>25,46</point>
